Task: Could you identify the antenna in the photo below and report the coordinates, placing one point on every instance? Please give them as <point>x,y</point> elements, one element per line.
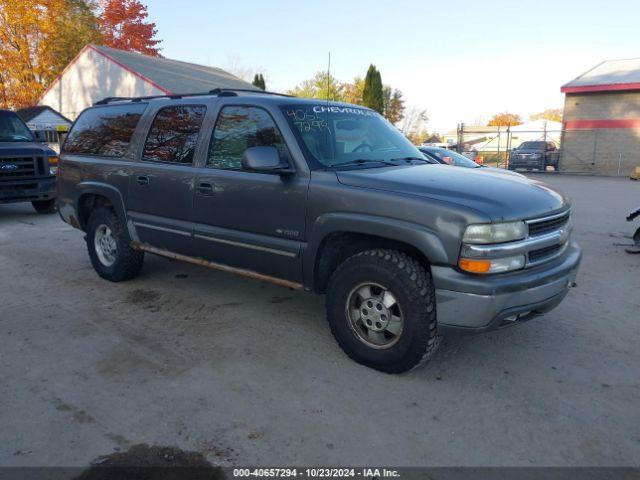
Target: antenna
<point>328,131</point>
<point>328,79</point>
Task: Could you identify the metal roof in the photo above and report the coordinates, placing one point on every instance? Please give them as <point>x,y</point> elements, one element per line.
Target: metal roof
<point>173,76</point>
<point>610,75</point>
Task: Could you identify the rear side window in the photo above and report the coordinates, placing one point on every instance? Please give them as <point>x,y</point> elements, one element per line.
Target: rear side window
<point>173,134</point>
<point>104,131</point>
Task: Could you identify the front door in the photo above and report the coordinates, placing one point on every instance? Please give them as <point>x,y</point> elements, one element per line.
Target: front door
<point>162,185</point>
<point>249,220</point>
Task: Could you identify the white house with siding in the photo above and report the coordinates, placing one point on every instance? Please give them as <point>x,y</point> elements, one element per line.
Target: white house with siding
<point>98,72</point>
<point>44,118</point>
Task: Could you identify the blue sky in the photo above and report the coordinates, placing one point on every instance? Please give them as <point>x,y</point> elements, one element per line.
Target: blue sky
<point>462,61</point>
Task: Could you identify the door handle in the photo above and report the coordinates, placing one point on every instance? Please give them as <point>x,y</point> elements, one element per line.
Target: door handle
<point>142,180</point>
<point>205,189</point>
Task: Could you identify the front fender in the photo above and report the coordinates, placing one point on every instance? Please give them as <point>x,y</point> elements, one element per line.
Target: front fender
<point>424,239</point>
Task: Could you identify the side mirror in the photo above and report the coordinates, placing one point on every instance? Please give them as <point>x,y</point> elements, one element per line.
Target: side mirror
<point>264,160</point>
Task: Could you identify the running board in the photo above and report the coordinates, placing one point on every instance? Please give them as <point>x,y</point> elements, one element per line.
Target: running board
<point>217,266</point>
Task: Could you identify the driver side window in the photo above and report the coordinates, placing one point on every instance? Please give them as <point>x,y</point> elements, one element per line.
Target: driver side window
<point>239,128</point>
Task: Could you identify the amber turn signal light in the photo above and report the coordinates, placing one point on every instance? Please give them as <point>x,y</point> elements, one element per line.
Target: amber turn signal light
<point>474,266</point>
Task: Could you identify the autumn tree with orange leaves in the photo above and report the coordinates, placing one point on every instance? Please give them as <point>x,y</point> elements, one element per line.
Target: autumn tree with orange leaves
<point>124,26</point>
<point>38,38</point>
<point>505,119</point>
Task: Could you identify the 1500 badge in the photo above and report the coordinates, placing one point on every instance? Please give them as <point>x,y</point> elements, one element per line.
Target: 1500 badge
<point>288,233</point>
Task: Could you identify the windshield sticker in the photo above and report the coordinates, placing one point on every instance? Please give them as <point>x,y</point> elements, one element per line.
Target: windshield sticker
<point>311,118</point>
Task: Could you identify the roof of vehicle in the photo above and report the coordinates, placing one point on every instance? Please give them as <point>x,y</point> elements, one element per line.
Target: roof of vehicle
<point>430,147</point>
<point>265,97</point>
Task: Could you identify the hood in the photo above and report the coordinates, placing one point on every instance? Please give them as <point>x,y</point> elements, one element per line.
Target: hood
<point>503,171</point>
<point>501,197</point>
<point>24,149</point>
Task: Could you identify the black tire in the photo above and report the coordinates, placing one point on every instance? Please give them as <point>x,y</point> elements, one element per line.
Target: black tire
<point>44,206</point>
<point>128,262</point>
<point>412,287</point>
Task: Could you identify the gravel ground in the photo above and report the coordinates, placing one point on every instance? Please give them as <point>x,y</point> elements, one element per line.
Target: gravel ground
<point>247,373</point>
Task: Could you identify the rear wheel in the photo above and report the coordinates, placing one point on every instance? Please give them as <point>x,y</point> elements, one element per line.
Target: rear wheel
<point>109,247</point>
<point>44,206</point>
<point>381,309</point>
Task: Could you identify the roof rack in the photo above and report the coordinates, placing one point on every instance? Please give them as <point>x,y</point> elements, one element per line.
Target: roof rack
<point>220,92</point>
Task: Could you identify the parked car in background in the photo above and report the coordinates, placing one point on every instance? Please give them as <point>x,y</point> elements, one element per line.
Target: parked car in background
<point>321,196</point>
<point>27,167</point>
<point>449,157</point>
<point>537,155</point>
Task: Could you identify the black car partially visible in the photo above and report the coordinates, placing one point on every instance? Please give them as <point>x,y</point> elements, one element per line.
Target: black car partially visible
<point>534,155</point>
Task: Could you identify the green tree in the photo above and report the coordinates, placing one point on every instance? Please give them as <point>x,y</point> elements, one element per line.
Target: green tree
<point>353,91</point>
<point>322,86</point>
<point>258,81</point>
<point>372,95</point>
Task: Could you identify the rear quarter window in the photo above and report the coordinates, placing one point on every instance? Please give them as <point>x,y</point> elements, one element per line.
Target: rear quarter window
<point>104,131</point>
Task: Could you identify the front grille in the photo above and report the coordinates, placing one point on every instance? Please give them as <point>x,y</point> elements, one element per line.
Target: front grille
<point>540,227</point>
<point>14,168</point>
<point>543,253</point>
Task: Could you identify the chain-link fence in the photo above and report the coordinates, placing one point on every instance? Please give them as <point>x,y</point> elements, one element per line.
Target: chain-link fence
<point>596,151</point>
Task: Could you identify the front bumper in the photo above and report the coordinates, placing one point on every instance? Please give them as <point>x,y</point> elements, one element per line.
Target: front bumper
<point>474,303</point>
<point>527,163</point>
<point>28,190</point>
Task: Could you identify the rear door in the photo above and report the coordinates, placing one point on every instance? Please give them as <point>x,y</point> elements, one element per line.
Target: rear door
<point>245,219</point>
<point>162,184</point>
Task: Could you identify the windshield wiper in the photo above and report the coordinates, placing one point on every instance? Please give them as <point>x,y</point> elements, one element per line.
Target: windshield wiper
<point>411,159</point>
<point>363,161</point>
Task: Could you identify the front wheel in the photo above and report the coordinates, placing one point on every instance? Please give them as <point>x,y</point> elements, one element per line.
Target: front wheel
<point>44,206</point>
<point>109,247</point>
<point>381,310</point>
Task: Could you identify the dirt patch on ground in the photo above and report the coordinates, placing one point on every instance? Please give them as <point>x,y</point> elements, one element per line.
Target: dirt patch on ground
<point>144,462</point>
<point>142,296</point>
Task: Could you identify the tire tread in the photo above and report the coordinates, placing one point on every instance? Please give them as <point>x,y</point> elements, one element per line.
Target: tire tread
<point>421,294</point>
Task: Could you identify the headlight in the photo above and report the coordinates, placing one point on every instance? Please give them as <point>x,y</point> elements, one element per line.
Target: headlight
<point>495,232</point>
<point>493,265</point>
<point>53,165</point>
<point>536,155</point>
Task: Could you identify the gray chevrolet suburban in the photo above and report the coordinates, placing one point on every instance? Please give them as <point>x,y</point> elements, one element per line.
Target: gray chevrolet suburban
<point>321,196</point>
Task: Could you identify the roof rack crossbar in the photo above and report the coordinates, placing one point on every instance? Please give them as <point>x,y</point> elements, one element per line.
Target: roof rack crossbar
<point>215,91</point>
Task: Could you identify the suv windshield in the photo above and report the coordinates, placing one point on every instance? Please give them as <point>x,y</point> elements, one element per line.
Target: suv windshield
<point>532,146</point>
<point>348,135</point>
<point>12,129</point>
